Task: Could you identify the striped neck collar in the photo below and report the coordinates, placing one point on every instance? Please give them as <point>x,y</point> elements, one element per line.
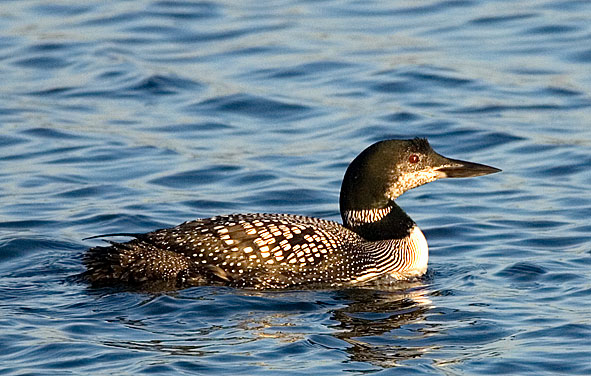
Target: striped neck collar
<point>354,218</point>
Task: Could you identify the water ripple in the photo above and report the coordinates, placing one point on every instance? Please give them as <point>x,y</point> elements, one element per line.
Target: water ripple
<point>522,272</point>
<point>249,105</point>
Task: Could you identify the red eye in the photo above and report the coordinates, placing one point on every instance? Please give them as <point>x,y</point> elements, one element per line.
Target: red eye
<point>413,158</point>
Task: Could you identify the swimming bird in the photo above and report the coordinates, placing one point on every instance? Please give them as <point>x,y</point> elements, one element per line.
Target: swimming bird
<point>376,240</point>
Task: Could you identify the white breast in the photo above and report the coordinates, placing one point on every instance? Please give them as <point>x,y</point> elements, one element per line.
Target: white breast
<point>421,249</point>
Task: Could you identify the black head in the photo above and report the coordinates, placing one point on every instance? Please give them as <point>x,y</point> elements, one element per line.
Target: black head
<point>387,169</point>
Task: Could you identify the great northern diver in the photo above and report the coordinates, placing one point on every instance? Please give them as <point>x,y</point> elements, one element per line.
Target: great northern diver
<point>377,238</point>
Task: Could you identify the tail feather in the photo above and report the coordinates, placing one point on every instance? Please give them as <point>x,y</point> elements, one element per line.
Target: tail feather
<point>135,262</point>
<point>141,263</point>
<point>128,234</point>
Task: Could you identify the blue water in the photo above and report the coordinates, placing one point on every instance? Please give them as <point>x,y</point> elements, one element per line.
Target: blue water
<point>127,116</point>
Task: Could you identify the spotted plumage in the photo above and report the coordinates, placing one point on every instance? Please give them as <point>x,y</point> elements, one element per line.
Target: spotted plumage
<point>280,250</point>
<point>263,250</point>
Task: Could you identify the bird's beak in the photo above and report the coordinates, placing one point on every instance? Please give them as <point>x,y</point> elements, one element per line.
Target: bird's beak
<point>453,168</point>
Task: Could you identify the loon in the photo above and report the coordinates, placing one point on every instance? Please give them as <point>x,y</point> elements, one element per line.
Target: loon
<point>273,251</point>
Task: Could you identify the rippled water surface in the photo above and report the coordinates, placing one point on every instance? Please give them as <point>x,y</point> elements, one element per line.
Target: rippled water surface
<point>127,116</point>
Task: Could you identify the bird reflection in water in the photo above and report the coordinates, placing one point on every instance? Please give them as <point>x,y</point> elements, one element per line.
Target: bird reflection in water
<point>381,324</point>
